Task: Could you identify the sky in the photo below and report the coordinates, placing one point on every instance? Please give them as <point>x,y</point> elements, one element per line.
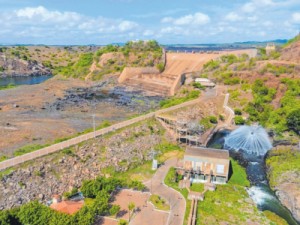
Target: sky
<point>78,22</point>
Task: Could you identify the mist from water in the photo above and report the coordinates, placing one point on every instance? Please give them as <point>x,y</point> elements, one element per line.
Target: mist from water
<point>250,139</point>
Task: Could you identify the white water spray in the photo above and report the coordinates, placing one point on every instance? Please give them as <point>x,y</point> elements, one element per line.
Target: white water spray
<point>252,139</point>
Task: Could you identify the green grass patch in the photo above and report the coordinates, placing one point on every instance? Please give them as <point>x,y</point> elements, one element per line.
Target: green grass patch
<point>178,100</point>
<point>239,175</point>
<point>159,203</point>
<point>9,86</point>
<point>276,220</point>
<point>198,187</point>
<point>281,161</point>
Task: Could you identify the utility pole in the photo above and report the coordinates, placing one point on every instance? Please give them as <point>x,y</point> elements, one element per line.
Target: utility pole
<point>94,125</point>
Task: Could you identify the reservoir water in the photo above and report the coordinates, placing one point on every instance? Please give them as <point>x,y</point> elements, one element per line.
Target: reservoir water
<point>21,80</point>
<point>260,192</point>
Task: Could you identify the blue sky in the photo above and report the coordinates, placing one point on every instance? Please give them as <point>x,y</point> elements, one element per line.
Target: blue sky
<point>170,22</point>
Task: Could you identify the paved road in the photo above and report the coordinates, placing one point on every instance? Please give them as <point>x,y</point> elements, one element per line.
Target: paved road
<point>176,200</point>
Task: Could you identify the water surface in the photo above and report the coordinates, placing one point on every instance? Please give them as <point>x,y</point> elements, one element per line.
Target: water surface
<point>21,80</point>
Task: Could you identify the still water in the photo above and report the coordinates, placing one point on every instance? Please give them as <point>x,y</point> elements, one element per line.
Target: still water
<point>28,80</point>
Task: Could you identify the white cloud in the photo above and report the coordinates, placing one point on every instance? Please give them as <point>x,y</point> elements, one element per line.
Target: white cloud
<point>296,17</point>
<point>233,17</point>
<point>127,25</point>
<point>191,19</point>
<point>41,22</point>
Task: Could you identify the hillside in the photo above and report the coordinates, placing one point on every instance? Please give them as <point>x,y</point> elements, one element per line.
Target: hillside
<point>37,60</point>
<point>292,51</point>
<point>112,60</point>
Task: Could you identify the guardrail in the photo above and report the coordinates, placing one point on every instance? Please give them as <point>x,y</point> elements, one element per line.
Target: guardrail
<point>74,141</point>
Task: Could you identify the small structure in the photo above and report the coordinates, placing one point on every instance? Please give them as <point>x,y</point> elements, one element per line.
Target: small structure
<point>271,47</point>
<point>68,207</point>
<point>205,82</point>
<point>206,165</point>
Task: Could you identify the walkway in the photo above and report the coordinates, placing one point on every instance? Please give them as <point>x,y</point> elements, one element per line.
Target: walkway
<point>175,199</point>
<point>74,141</point>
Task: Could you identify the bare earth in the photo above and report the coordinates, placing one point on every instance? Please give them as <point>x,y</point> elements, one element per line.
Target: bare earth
<point>28,114</point>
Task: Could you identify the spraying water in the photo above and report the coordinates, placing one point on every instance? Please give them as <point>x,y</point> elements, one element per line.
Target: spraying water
<point>251,139</point>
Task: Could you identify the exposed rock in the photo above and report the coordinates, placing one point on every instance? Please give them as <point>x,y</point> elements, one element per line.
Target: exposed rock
<point>288,192</point>
<point>20,67</point>
<point>53,174</point>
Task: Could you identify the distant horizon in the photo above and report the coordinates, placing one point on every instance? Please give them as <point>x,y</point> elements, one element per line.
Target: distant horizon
<point>164,44</point>
<point>101,22</point>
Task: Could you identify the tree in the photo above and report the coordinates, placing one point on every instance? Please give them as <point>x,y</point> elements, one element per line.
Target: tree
<point>131,207</point>
<point>122,222</point>
<point>238,120</point>
<point>293,121</point>
<point>114,210</point>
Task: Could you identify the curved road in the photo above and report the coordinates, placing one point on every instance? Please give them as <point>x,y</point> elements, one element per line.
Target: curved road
<point>175,199</point>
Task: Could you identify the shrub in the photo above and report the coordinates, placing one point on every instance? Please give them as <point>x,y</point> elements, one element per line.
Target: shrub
<point>293,121</point>
<point>238,112</point>
<point>213,119</point>
<point>160,67</point>
<point>238,120</point>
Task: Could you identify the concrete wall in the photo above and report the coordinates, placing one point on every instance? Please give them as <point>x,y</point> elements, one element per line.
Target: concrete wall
<point>129,72</point>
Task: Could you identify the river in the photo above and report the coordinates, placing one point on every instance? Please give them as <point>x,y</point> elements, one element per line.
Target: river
<point>260,192</point>
<point>21,80</point>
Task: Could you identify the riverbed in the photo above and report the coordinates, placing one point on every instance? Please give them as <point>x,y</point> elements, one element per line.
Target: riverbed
<point>260,192</point>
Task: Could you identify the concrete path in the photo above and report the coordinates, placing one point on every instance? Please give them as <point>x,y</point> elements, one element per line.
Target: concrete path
<point>175,199</point>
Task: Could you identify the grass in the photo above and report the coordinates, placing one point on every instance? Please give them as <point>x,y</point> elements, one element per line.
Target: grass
<point>159,203</point>
<point>171,181</point>
<point>9,86</point>
<point>276,220</point>
<point>230,203</point>
<point>34,147</point>
<point>281,161</point>
<point>239,176</point>
<point>198,187</point>
<point>178,100</point>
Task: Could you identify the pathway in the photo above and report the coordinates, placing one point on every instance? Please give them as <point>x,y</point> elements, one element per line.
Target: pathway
<point>175,199</point>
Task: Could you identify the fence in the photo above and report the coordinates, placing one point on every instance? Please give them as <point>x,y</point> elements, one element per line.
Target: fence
<point>74,141</point>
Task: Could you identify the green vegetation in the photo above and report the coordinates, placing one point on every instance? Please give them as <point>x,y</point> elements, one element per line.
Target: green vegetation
<point>159,203</point>
<point>78,69</point>
<point>206,123</point>
<point>178,100</point>
<point>239,120</point>
<point>29,148</point>
<point>276,220</point>
<point>278,70</point>
<point>198,187</point>
<point>33,147</point>
<point>293,121</point>
<point>98,190</point>
<point>229,203</point>
<point>9,86</point>
<point>239,176</point>
<point>172,180</point>
<point>291,41</point>
<point>280,162</point>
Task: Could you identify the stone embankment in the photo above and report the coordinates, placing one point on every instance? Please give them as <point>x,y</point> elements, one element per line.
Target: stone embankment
<point>60,172</point>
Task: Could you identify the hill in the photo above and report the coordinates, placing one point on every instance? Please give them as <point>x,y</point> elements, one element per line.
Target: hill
<point>291,52</point>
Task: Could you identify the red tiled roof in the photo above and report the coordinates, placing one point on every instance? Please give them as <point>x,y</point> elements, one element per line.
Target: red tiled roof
<point>68,207</point>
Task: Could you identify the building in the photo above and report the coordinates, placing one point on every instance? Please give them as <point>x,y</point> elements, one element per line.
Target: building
<point>206,165</point>
<point>205,82</point>
<point>271,47</point>
<point>68,207</point>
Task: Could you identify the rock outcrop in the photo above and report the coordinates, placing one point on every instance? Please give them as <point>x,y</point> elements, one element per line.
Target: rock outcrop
<point>20,67</point>
<point>60,172</point>
<point>288,192</point>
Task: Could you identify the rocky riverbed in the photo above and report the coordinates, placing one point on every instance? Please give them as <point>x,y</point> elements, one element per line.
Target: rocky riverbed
<point>59,107</point>
<point>60,172</point>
